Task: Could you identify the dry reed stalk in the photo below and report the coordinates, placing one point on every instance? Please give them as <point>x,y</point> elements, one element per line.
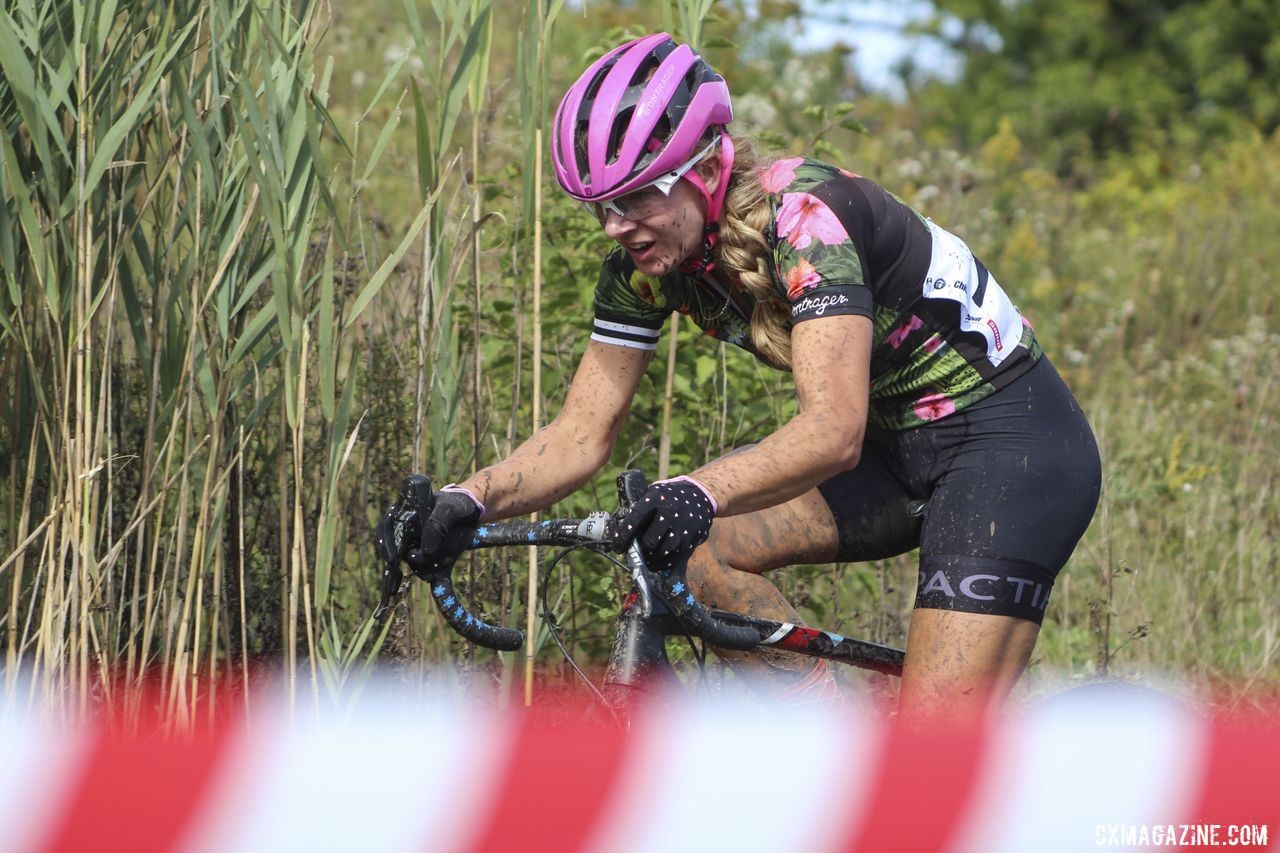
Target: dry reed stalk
<point>173,670</point>
<point>18,559</point>
<point>668,394</point>
<point>531,603</point>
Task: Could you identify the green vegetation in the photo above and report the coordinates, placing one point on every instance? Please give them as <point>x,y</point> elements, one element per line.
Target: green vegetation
<point>1090,81</point>
<point>260,261</point>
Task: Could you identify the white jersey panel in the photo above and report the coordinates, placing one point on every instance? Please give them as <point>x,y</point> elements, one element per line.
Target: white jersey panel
<point>984,307</point>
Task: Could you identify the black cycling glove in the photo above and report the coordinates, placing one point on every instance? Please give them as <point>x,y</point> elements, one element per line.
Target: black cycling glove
<point>446,532</point>
<point>671,519</point>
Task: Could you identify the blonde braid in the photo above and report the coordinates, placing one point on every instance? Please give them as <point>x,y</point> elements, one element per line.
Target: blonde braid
<point>743,254</point>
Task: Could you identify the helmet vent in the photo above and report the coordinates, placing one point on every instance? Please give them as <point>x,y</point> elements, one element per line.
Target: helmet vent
<point>593,88</point>
<point>645,70</point>
<point>618,132</point>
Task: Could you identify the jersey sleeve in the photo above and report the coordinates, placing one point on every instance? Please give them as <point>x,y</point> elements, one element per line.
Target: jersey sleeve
<point>630,307</point>
<point>820,265</point>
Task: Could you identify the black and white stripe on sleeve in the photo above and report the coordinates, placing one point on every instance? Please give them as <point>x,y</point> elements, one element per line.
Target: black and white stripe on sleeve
<point>625,335</point>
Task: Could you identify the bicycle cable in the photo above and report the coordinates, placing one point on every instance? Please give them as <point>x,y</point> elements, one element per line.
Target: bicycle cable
<point>699,654</point>
<point>553,624</point>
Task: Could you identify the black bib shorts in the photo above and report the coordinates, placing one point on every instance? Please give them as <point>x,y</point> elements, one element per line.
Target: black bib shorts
<point>995,496</point>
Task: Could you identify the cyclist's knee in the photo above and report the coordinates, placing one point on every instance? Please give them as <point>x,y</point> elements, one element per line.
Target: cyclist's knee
<point>801,531</point>
<point>730,547</point>
<point>719,585</point>
<point>710,571</point>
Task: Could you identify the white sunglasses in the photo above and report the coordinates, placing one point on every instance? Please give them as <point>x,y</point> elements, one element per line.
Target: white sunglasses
<point>641,204</point>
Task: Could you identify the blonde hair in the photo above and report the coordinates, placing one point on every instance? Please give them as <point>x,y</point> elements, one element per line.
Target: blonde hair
<point>743,251</point>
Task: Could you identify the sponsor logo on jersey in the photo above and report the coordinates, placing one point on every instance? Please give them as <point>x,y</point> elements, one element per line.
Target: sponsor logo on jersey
<point>939,283</point>
<point>818,305</point>
<point>995,334</point>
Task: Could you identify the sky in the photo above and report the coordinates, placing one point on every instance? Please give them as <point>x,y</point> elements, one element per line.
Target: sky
<point>875,28</point>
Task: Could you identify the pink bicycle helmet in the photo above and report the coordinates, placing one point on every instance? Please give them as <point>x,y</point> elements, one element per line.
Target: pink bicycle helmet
<point>641,110</point>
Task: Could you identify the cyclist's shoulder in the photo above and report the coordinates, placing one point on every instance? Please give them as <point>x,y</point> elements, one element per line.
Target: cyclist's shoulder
<point>801,186</point>
<point>805,174</point>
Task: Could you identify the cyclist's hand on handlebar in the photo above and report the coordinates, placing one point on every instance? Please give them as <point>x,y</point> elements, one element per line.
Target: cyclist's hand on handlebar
<point>445,532</point>
<point>671,519</point>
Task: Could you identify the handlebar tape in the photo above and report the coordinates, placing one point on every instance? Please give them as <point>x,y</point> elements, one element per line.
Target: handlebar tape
<point>461,620</point>
<point>673,589</point>
<point>416,501</point>
<point>556,531</point>
<point>700,622</point>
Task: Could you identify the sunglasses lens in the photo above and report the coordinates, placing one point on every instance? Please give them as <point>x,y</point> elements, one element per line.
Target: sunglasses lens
<point>600,209</point>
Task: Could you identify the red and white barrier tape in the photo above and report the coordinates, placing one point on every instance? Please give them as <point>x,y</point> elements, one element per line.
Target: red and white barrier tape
<point>390,776</point>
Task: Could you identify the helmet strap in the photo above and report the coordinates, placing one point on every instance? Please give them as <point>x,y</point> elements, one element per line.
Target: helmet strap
<point>715,206</point>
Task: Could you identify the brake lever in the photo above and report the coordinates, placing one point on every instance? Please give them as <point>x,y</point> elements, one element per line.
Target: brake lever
<point>389,553</point>
<point>631,485</point>
<point>640,577</point>
<point>405,516</point>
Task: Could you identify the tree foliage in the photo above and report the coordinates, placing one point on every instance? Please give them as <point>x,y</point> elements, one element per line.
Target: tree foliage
<point>1087,78</point>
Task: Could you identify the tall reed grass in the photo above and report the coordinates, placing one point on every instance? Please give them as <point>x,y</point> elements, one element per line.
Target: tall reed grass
<point>180,320</point>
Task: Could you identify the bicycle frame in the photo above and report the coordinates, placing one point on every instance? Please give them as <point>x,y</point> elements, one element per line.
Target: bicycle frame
<point>658,606</point>
<point>638,657</point>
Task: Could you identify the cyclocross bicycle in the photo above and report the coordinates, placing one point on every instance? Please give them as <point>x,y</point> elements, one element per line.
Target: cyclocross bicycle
<point>658,606</point>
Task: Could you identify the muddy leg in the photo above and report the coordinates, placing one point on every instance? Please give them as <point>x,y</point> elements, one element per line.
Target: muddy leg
<point>725,573</point>
<point>962,663</point>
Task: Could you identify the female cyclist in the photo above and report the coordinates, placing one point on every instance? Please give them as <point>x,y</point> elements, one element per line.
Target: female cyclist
<point>927,415</point>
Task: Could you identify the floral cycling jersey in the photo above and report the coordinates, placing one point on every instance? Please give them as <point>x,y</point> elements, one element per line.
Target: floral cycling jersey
<point>945,335</point>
